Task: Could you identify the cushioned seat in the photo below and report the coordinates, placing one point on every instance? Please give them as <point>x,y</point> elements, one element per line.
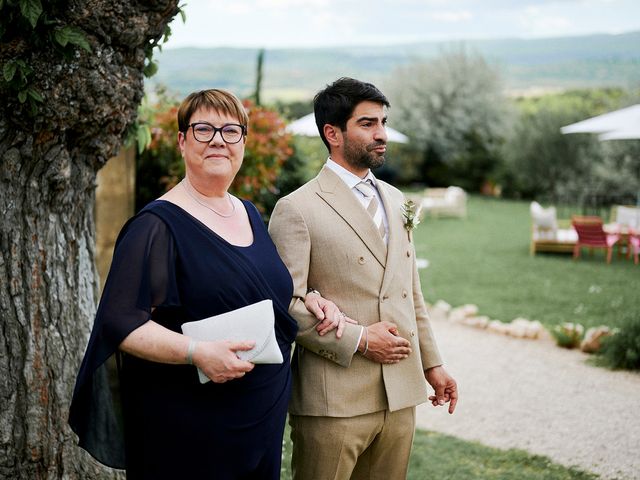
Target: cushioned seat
<point>545,234</point>
<point>450,201</point>
<point>626,216</point>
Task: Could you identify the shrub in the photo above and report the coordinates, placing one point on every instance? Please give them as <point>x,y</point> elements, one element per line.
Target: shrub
<point>622,350</point>
<point>268,148</point>
<point>568,335</point>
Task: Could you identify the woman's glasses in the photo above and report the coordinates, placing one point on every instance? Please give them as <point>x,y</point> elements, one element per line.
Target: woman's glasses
<point>230,133</point>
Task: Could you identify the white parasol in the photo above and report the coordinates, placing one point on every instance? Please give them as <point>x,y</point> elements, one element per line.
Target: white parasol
<point>617,125</point>
<point>307,126</point>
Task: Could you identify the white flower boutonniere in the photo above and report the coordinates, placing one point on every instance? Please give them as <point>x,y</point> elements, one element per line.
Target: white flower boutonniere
<point>411,214</point>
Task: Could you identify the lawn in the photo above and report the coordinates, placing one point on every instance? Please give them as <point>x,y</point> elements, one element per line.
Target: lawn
<point>484,259</point>
<point>444,457</point>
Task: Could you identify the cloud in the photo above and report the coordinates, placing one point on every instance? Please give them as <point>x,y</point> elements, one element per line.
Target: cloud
<point>452,16</point>
<point>286,4</point>
<point>536,22</point>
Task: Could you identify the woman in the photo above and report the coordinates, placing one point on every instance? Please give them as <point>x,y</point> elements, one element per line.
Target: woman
<point>196,252</point>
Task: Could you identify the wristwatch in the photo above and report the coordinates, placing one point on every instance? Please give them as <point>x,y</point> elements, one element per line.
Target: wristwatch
<point>313,290</point>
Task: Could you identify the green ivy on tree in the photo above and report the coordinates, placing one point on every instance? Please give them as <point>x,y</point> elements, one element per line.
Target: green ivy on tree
<point>47,27</point>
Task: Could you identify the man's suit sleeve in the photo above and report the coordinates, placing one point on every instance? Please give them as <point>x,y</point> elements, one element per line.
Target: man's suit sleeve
<point>290,234</point>
<point>428,348</point>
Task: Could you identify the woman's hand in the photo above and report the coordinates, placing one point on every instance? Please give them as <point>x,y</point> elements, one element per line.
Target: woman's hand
<point>219,362</point>
<point>328,313</point>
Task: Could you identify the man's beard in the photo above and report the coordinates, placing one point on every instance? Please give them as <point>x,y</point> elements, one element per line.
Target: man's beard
<point>363,156</point>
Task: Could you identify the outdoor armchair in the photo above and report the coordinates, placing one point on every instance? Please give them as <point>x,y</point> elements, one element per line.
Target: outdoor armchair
<point>592,235</point>
<point>546,233</point>
<point>626,216</point>
<point>441,202</point>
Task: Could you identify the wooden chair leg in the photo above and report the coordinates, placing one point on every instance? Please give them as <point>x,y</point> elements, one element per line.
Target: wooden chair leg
<point>609,253</point>
<point>576,252</point>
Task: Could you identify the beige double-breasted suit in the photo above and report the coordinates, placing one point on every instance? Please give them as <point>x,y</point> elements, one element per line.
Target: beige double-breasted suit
<point>329,242</point>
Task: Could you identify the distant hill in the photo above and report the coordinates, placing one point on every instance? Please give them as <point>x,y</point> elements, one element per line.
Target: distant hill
<point>296,74</point>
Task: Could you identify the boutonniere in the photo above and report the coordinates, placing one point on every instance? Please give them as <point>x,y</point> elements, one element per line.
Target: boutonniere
<point>411,214</point>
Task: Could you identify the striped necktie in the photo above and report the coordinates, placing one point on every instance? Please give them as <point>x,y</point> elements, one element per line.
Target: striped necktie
<point>373,206</point>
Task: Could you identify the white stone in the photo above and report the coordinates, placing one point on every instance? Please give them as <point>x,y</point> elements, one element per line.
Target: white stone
<point>478,322</point>
<point>458,314</point>
<point>518,329</point>
<point>441,304</point>
<point>439,311</point>
<point>497,326</point>
<point>535,329</point>
<point>593,339</point>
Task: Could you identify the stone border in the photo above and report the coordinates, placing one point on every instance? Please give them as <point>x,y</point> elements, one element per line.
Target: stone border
<point>518,328</point>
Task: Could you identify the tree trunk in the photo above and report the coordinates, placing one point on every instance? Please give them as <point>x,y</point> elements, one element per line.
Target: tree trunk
<point>48,278</point>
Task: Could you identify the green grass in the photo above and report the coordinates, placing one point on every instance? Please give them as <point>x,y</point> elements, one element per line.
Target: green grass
<point>443,457</point>
<point>484,259</point>
<point>440,456</point>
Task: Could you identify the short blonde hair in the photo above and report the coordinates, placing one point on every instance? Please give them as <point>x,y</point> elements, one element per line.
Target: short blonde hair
<point>216,99</point>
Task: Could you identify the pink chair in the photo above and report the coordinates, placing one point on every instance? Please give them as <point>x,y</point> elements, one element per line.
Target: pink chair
<point>634,245</point>
<point>592,235</point>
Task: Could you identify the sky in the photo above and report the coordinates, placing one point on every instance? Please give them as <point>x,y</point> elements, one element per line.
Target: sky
<point>319,23</point>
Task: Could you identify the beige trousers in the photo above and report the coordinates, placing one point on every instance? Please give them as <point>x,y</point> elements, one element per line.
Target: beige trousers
<point>375,446</point>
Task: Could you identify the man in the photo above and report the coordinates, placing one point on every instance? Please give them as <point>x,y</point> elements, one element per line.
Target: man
<point>352,411</point>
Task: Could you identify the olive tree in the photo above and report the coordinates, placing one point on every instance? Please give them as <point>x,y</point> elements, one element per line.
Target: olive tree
<point>454,109</point>
<point>70,85</point>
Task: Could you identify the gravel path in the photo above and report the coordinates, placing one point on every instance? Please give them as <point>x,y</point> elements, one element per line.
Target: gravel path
<point>532,395</point>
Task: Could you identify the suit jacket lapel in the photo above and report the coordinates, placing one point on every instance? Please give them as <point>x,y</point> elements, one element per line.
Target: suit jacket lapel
<point>342,200</point>
<point>396,230</point>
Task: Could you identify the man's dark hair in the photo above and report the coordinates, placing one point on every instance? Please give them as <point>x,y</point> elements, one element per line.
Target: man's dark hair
<point>335,104</point>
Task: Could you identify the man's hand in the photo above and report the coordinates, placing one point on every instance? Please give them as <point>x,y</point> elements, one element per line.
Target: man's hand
<point>384,343</point>
<point>446,388</point>
<point>328,313</point>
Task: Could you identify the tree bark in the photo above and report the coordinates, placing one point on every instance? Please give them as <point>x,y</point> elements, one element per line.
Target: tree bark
<point>48,278</point>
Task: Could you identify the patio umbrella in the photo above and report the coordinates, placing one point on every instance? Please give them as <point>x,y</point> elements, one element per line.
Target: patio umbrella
<point>307,126</point>
<point>623,124</point>
<point>626,133</point>
<point>623,120</point>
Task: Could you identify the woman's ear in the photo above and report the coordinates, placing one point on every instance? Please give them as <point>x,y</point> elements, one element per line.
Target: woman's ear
<point>181,139</point>
<point>333,135</point>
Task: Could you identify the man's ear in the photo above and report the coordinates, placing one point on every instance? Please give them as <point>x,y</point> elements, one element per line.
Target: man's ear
<point>333,135</point>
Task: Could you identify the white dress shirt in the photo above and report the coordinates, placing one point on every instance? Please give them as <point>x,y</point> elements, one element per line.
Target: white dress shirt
<point>352,180</point>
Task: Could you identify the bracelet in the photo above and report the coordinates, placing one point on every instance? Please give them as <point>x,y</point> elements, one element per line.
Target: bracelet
<point>366,340</point>
<point>192,348</point>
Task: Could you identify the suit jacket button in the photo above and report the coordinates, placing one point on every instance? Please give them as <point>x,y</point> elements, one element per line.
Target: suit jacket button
<point>413,334</point>
<point>384,297</point>
<point>361,260</point>
<point>408,253</point>
<point>404,294</point>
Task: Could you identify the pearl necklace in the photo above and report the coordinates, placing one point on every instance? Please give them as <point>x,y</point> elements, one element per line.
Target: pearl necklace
<point>233,205</point>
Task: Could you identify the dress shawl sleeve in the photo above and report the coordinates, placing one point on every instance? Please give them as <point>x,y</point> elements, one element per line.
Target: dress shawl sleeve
<point>142,276</point>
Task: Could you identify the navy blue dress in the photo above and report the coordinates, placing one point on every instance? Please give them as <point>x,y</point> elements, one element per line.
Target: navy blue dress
<point>174,427</point>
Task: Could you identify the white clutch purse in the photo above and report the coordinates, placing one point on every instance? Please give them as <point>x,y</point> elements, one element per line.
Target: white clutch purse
<point>254,322</point>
